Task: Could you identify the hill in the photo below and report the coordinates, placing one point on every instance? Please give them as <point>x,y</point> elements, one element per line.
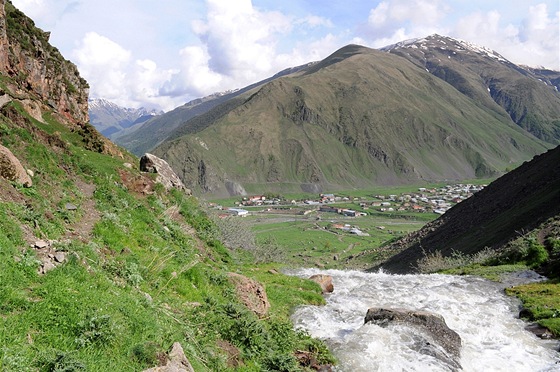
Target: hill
<point>144,138</point>
<point>357,118</point>
<point>524,203</point>
<point>101,267</point>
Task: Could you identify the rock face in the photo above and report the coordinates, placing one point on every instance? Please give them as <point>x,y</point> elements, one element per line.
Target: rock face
<point>11,168</point>
<point>325,281</point>
<point>165,175</point>
<point>39,70</point>
<point>177,361</point>
<point>432,330</point>
<point>251,293</point>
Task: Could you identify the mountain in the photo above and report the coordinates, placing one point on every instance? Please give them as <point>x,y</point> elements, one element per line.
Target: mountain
<point>512,206</point>
<point>101,267</point>
<point>113,120</point>
<point>491,80</point>
<point>147,136</point>
<point>361,117</point>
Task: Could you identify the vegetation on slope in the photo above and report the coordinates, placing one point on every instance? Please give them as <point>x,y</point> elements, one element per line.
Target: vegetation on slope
<point>142,270</point>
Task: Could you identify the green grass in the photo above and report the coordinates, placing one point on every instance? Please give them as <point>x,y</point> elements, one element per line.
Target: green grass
<point>542,303</point>
<point>144,280</point>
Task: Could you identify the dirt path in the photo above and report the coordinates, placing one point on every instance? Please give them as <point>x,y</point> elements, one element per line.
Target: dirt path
<point>83,228</point>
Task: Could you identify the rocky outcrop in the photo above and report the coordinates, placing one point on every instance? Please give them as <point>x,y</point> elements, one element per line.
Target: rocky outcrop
<point>176,361</point>
<point>432,331</point>
<point>165,175</point>
<point>325,281</point>
<point>251,293</point>
<point>38,70</point>
<point>11,168</point>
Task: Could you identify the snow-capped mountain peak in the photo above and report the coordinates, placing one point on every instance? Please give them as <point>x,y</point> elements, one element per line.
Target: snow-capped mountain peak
<point>436,41</point>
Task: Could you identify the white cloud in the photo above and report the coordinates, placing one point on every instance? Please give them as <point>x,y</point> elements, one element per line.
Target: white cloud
<point>114,75</point>
<point>151,56</point>
<point>390,17</point>
<point>103,62</point>
<point>535,41</point>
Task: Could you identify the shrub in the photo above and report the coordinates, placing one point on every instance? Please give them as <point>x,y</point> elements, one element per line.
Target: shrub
<point>95,330</point>
<point>60,361</point>
<point>536,254</point>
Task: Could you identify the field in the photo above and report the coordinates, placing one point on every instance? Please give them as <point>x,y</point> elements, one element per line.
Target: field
<point>309,237</point>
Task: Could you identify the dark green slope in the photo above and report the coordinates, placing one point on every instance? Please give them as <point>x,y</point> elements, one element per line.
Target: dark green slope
<point>357,118</point>
<point>515,203</point>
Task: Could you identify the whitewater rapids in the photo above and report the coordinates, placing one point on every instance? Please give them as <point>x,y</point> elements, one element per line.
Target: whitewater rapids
<point>493,338</point>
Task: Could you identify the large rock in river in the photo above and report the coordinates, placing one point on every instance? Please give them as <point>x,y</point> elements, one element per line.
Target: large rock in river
<point>325,281</point>
<point>431,328</point>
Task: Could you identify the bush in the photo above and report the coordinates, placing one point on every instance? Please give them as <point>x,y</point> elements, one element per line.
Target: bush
<point>536,254</point>
<point>60,361</point>
<point>95,330</point>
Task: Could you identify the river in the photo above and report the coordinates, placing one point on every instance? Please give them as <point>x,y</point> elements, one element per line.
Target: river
<point>493,338</point>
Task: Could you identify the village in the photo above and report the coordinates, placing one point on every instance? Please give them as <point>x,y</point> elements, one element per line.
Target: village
<point>424,200</point>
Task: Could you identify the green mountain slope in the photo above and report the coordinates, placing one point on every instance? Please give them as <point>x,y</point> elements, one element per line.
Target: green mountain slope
<point>358,118</point>
<point>147,136</point>
<point>510,207</point>
<point>528,96</point>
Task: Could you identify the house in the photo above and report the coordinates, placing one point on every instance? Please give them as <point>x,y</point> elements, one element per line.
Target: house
<point>238,212</point>
<point>328,208</point>
<point>327,198</point>
<point>349,213</point>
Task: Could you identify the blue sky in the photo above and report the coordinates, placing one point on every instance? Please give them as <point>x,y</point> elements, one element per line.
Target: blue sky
<point>165,53</point>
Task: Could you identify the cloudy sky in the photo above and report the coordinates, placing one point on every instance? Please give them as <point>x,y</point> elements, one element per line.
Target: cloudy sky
<point>167,52</point>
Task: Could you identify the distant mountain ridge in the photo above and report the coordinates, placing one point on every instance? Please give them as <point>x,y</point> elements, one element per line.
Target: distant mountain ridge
<point>427,109</point>
<point>112,120</point>
<point>147,136</point>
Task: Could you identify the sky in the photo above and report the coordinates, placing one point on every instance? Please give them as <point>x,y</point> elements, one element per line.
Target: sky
<point>162,54</point>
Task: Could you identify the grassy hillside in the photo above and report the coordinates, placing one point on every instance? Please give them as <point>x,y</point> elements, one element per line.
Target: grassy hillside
<point>103,269</point>
<point>360,117</point>
<point>141,270</point>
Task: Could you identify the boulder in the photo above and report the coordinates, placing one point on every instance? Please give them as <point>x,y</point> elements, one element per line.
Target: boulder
<point>431,329</point>
<point>11,168</point>
<point>251,293</point>
<point>165,175</point>
<point>176,361</point>
<point>325,281</point>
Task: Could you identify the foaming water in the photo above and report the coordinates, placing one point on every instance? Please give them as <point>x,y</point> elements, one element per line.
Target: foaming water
<point>493,339</point>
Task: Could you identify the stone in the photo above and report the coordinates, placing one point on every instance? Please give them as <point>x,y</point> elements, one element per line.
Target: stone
<point>431,329</point>
<point>176,361</point>
<point>40,244</point>
<point>46,267</point>
<point>128,165</point>
<point>11,168</point>
<point>60,257</point>
<point>70,207</point>
<point>325,281</point>
<point>165,175</point>
<point>251,293</point>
